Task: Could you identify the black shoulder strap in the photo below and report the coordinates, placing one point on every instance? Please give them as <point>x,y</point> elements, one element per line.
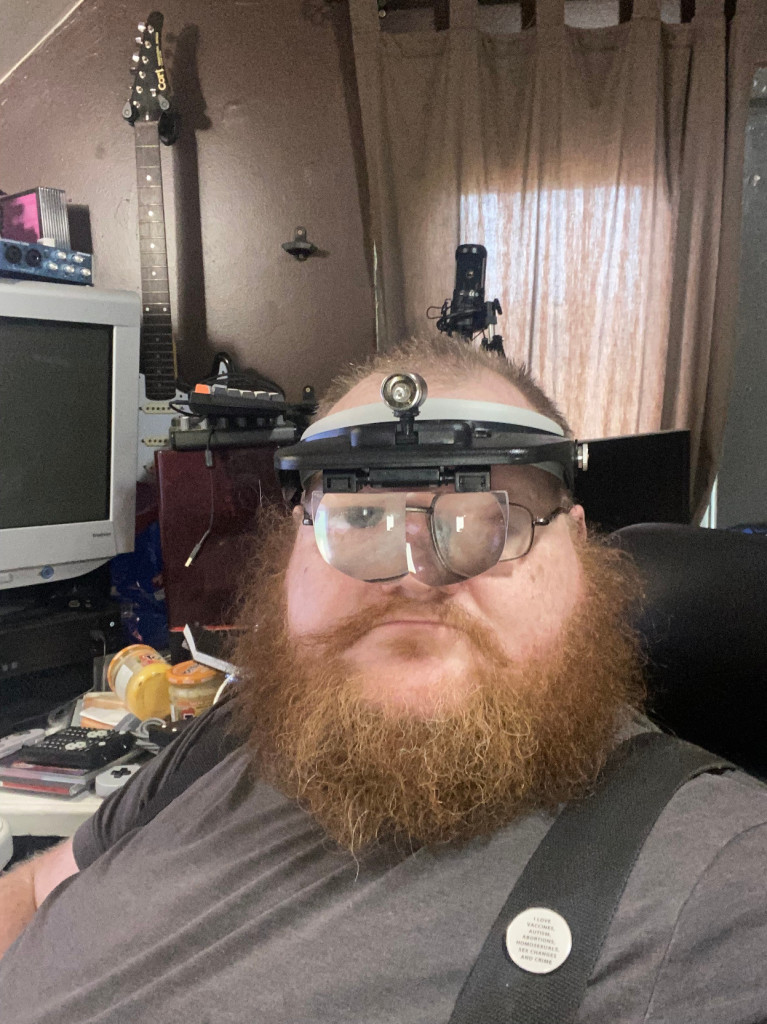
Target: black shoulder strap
<point>580,871</point>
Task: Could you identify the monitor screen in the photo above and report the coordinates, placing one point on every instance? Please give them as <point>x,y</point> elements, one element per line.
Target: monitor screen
<point>55,422</point>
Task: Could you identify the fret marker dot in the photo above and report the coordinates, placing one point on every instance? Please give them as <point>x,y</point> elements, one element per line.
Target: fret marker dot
<point>146,309</point>
<point>151,214</point>
<point>151,245</point>
<point>149,177</point>
<point>165,309</point>
<point>154,273</point>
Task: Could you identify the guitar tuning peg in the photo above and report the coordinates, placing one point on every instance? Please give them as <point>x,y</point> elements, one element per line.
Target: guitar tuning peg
<point>134,58</point>
<point>138,39</point>
<point>141,26</point>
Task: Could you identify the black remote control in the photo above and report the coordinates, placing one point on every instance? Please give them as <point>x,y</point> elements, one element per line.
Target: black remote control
<point>78,747</point>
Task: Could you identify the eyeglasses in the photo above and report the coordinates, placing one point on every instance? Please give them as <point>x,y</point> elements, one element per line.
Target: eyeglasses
<point>382,536</point>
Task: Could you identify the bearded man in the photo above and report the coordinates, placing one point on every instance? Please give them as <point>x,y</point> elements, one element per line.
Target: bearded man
<point>421,695</point>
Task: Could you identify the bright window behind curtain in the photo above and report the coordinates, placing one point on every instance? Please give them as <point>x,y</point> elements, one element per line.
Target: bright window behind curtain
<point>571,271</point>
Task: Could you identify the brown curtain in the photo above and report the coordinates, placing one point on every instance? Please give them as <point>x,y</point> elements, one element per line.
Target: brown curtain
<point>602,170</point>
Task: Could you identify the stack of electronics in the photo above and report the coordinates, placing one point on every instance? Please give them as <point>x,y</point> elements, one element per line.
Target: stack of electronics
<point>65,762</point>
<point>34,239</point>
<point>69,365</point>
<point>236,409</point>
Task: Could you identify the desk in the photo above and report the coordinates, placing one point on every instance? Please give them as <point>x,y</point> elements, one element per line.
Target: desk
<point>34,814</point>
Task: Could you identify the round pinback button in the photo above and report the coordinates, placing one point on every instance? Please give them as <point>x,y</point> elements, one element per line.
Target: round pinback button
<point>539,940</point>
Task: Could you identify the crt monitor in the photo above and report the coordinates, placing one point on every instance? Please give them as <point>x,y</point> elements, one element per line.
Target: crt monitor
<point>68,424</point>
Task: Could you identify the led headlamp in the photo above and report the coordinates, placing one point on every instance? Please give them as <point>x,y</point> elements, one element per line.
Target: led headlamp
<point>453,441</point>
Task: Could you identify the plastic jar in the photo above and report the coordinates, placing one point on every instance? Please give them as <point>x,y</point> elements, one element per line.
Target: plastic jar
<point>192,689</point>
<point>139,676</point>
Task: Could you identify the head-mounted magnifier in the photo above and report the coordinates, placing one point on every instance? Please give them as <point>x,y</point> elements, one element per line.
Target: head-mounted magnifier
<point>404,485</point>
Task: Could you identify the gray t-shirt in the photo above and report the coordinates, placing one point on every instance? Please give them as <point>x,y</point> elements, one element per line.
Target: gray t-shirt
<point>231,907</point>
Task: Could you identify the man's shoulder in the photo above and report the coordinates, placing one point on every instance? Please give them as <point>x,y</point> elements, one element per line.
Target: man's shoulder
<point>694,905</point>
<point>205,744</point>
<point>725,802</point>
<point>715,823</point>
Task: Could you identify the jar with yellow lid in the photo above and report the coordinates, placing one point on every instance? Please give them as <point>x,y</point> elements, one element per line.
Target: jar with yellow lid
<point>192,688</point>
<point>139,676</point>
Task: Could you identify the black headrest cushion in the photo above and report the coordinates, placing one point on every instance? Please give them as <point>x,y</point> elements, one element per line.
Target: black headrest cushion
<point>703,622</point>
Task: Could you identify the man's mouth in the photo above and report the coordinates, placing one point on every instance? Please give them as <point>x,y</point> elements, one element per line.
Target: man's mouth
<point>414,623</point>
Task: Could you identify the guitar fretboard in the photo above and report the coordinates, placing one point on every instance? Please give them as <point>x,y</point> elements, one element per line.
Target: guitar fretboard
<point>158,352</point>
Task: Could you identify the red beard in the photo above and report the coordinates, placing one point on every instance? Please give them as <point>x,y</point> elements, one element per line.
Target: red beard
<point>526,736</point>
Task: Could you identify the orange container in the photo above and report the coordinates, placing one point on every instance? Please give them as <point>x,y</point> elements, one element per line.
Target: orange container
<point>192,688</point>
<point>139,676</point>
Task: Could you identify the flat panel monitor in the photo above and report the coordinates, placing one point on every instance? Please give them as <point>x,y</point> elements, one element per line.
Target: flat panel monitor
<point>639,478</point>
<point>68,428</point>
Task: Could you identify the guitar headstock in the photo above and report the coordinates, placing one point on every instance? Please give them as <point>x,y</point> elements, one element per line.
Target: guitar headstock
<point>150,97</point>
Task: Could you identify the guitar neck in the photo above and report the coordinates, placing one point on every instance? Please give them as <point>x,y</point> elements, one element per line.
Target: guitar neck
<point>158,351</point>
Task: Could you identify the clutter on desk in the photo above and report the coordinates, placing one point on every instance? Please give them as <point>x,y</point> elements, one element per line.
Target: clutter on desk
<point>207,645</point>
<point>148,704</point>
<point>100,710</point>
<point>160,734</point>
<point>149,687</point>
<point>51,781</point>
<point>65,762</point>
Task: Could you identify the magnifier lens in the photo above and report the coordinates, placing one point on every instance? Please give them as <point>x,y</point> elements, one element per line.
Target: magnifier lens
<point>362,535</point>
<point>469,530</point>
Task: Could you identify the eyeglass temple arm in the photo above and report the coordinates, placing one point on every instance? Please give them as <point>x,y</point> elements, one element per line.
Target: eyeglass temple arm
<point>546,521</point>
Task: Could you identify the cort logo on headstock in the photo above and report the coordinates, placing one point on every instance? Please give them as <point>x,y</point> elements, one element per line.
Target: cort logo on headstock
<point>161,83</point>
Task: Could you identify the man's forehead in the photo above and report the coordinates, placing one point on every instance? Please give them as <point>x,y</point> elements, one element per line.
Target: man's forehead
<point>484,386</point>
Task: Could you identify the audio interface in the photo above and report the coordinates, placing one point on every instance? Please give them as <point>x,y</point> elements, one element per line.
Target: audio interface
<point>44,262</point>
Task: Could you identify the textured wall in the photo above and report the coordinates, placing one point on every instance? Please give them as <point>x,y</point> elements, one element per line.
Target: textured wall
<point>270,141</point>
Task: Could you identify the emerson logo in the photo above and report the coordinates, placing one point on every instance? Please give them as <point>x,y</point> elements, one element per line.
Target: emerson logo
<point>106,533</point>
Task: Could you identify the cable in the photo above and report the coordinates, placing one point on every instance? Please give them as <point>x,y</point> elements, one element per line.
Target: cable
<point>209,463</point>
<point>177,407</point>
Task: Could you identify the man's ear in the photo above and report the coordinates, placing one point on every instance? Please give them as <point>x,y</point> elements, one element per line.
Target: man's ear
<point>578,517</point>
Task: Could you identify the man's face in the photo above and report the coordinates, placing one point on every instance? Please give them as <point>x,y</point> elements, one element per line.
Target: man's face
<point>414,647</point>
<point>437,713</point>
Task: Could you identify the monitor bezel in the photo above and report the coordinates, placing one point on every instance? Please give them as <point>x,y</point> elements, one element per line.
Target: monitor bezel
<point>36,554</point>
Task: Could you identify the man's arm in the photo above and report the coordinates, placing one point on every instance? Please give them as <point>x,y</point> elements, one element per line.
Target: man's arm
<point>24,888</point>
<point>201,745</point>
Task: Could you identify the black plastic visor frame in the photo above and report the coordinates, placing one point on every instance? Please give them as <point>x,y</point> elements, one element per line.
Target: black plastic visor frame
<point>438,453</point>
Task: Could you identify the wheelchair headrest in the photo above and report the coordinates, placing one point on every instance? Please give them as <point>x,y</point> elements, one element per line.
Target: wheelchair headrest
<point>703,622</point>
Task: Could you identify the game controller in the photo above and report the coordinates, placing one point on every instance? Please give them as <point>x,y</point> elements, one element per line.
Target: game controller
<point>114,778</point>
